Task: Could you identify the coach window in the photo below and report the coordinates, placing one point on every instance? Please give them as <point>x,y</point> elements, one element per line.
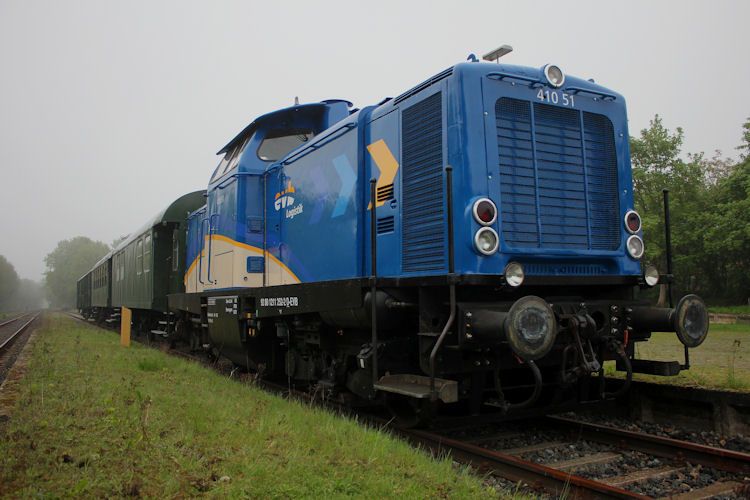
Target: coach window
<point>278,143</point>
<point>139,257</point>
<point>147,253</point>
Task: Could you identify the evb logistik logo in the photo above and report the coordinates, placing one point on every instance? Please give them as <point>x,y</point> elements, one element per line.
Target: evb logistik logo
<point>284,199</point>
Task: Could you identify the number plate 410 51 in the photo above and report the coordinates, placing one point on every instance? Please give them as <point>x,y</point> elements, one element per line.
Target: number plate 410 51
<point>556,97</point>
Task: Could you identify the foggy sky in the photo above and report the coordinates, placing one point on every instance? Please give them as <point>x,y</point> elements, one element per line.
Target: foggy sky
<point>109,110</point>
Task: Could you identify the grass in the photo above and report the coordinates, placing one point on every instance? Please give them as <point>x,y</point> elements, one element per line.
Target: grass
<point>722,361</point>
<point>97,420</point>
<point>730,309</point>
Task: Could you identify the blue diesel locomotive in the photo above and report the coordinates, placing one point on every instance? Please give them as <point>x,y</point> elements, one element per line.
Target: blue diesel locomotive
<point>471,241</point>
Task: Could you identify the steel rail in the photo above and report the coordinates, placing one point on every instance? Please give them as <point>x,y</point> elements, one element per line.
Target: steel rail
<point>12,320</point>
<point>10,339</point>
<point>683,451</point>
<point>516,469</point>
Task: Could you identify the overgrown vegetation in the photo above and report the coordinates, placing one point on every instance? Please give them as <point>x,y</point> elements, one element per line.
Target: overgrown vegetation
<point>709,201</point>
<point>97,420</point>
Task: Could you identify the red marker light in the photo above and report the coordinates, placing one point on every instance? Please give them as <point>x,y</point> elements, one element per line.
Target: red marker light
<point>633,221</point>
<point>485,211</point>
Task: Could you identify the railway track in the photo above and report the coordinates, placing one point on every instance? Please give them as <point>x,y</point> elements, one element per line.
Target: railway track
<point>10,334</point>
<point>573,477</point>
<point>7,338</point>
<point>598,450</point>
<point>9,321</point>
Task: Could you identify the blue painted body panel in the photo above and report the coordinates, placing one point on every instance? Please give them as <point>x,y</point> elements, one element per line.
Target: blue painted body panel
<point>323,232</point>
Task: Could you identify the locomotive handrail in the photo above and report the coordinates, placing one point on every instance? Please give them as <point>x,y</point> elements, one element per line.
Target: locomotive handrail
<point>312,147</point>
<point>210,243</point>
<point>501,75</point>
<point>225,183</point>
<point>604,95</point>
<point>200,254</point>
<point>452,283</point>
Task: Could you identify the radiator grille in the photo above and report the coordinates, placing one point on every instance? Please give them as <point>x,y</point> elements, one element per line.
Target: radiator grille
<point>558,175</point>
<point>423,228</point>
<point>386,224</point>
<point>385,193</point>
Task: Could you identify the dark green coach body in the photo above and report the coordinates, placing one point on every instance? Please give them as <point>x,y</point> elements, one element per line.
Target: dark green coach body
<point>149,264</point>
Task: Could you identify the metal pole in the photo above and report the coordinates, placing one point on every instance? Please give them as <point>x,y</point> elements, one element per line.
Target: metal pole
<point>452,284</point>
<point>670,271</point>
<point>373,278</point>
<point>668,243</point>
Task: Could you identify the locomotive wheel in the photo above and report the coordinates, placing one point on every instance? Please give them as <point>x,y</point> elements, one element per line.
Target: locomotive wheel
<point>409,412</point>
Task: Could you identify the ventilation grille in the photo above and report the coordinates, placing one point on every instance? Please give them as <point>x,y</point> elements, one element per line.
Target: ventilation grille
<point>558,175</point>
<point>385,192</point>
<point>386,225</point>
<point>423,231</point>
<point>601,167</point>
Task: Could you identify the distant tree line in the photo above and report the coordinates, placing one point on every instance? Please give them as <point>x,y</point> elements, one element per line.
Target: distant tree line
<point>18,294</point>
<point>70,260</point>
<point>709,212</point>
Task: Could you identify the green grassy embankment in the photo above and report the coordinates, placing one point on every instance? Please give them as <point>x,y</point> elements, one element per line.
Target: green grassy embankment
<point>95,419</point>
<point>730,309</point>
<point>721,362</point>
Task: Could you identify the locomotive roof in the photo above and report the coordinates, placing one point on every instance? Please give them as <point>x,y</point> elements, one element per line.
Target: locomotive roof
<point>277,117</point>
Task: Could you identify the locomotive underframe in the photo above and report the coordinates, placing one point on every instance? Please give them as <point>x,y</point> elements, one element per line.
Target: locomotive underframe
<point>320,335</point>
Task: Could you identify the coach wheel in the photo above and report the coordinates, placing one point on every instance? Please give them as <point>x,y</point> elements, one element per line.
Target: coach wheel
<point>408,412</point>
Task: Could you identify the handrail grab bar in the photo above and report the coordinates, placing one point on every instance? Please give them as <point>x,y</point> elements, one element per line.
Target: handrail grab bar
<point>210,241</point>
<point>200,253</point>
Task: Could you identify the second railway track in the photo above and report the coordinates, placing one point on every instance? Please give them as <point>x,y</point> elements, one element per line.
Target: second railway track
<point>11,332</point>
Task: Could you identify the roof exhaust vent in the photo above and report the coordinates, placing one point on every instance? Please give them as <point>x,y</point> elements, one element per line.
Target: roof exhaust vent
<point>496,54</point>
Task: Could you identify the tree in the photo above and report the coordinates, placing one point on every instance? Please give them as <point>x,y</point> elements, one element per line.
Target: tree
<point>745,146</point>
<point>657,165</point>
<point>29,297</point>
<point>70,260</point>
<point>8,283</point>
<point>728,233</point>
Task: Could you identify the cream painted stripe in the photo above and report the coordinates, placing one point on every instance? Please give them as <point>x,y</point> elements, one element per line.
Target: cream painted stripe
<point>259,251</point>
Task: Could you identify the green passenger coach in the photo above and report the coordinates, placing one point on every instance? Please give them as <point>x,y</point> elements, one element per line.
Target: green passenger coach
<point>101,296</point>
<point>149,263</point>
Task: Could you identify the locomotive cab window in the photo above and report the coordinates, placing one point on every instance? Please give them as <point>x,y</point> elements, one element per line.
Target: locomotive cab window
<point>231,159</point>
<point>278,143</point>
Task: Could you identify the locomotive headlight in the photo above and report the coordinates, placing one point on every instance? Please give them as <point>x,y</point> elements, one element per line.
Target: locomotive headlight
<point>486,241</point>
<point>691,320</point>
<point>635,247</point>
<point>530,327</point>
<point>651,275</point>
<point>554,75</point>
<point>514,274</point>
